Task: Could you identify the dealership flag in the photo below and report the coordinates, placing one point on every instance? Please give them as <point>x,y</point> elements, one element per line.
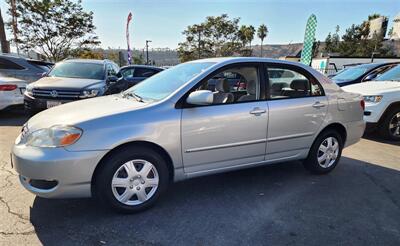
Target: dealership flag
<point>127,37</point>
<point>309,36</point>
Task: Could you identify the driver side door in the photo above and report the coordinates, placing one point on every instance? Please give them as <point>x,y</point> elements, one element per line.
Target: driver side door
<point>226,135</point>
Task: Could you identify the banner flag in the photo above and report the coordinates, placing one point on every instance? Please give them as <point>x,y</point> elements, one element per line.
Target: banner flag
<point>309,37</point>
<point>127,38</point>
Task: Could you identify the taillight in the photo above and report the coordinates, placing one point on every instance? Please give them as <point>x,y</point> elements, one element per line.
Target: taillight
<point>362,103</point>
<point>8,87</point>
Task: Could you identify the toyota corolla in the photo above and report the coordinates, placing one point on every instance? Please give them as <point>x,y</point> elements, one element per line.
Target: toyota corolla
<point>126,149</point>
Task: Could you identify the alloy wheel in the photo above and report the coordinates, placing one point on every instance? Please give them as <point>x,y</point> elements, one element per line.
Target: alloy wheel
<point>394,125</point>
<point>328,152</point>
<point>135,182</point>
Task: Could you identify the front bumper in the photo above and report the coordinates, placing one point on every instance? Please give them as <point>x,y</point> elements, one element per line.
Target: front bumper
<point>374,111</point>
<point>38,104</point>
<point>55,172</point>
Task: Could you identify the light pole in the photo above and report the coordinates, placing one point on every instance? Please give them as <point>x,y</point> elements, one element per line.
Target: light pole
<point>147,51</point>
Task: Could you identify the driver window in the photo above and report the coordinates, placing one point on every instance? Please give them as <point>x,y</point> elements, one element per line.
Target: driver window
<point>233,85</point>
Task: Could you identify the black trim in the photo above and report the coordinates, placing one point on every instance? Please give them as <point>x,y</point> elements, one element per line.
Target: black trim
<point>258,65</point>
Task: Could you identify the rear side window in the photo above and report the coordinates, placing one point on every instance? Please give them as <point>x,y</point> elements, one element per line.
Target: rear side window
<point>144,72</point>
<point>288,83</point>
<point>6,64</point>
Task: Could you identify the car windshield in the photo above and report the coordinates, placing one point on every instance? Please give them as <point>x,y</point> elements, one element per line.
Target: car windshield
<point>349,74</point>
<point>78,70</point>
<point>392,74</point>
<point>164,83</point>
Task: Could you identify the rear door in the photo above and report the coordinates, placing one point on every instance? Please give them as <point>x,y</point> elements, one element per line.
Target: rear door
<point>297,107</point>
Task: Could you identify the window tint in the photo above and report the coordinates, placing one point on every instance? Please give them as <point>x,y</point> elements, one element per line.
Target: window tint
<point>287,83</point>
<point>6,64</point>
<point>78,70</point>
<point>144,72</point>
<point>127,72</point>
<point>111,71</point>
<point>237,84</point>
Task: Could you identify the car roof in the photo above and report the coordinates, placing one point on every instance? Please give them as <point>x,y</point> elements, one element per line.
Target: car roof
<point>142,66</point>
<point>94,61</point>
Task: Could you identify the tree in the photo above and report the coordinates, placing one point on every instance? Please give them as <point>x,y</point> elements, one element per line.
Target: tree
<point>53,28</point>
<point>250,34</point>
<point>216,36</point>
<point>262,33</point>
<point>5,46</point>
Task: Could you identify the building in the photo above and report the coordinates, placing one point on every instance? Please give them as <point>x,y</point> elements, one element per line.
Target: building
<point>378,25</point>
<point>396,28</point>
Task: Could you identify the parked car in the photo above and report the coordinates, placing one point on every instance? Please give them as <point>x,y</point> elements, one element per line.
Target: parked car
<point>362,73</point>
<point>22,68</point>
<point>69,81</point>
<point>125,149</point>
<point>382,103</point>
<point>129,76</point>
<point>11,92</point>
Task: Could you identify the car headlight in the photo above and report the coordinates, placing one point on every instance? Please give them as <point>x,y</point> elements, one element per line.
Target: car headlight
<point>372,99</point>
<point>55,136</point>
<point>29,90</point>
<point>89,93</point>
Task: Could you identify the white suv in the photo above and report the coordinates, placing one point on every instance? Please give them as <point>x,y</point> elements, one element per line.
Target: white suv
<point>382,103</point>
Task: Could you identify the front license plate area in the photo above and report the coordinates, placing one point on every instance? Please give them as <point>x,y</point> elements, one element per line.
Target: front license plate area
<point>51,104</point>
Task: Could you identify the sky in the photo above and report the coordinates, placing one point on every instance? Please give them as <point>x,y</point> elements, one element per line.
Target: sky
<point>163,21</point>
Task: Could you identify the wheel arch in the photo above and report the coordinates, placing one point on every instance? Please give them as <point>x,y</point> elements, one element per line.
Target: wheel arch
<point>388,109</point>
<point>340,128</point>
<point>132,144</point>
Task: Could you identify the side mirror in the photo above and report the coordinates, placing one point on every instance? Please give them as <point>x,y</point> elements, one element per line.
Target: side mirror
<point>370,77</point>
<point>202,97</point>
<point>112,79</point>
<point>119,75</point>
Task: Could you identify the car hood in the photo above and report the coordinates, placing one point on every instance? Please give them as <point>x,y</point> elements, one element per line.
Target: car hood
<point>77,112</point>
<point>373,87</point>
<point>65,83</point>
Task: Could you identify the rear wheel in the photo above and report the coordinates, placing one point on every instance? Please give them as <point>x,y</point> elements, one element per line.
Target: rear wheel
<point>325,152</point>
<point>131,179</point>
<point>390,128</point>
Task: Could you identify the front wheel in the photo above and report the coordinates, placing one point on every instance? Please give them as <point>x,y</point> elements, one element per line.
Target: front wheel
<point>390,128</point>
<point>325,152</point>
<point>131,179</point>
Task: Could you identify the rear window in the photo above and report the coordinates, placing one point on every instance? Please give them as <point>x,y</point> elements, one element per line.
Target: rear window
<point>45,67</point>
<point>6,64</point>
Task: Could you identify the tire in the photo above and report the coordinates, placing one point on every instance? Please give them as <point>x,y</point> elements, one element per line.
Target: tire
<point>312,163</point>
<point>122,184</point>
<point>390,125</point>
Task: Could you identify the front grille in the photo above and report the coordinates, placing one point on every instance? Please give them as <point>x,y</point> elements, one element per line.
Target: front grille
<point>56,94</point>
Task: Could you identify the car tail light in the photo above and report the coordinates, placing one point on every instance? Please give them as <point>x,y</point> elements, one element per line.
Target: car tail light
<point>362,103</point>
<point>8,87</point>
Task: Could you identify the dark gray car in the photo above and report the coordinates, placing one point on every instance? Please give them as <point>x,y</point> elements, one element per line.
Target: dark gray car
<point>22,68</point>
<point>69,81</point>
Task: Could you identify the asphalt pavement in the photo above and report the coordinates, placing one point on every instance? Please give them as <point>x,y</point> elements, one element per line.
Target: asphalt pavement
<point>357,204</point>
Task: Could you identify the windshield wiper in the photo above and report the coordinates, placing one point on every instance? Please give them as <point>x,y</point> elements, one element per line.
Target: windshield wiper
<point>133,94</point>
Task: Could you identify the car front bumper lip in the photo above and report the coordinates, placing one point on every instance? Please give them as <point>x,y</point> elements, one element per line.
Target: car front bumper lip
<point>71,171</point>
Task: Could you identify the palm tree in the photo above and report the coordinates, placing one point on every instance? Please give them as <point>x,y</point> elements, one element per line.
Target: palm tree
<point>250,34</point>
<point>242,35</point>
<point>262,33</point>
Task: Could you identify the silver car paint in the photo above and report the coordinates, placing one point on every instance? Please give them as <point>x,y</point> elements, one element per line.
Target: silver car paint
<point>191,137</point>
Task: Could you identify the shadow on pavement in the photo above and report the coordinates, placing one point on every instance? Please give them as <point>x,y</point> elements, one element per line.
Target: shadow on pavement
<point>374,136</point>
<point>13,117</point>
<point>357,204</point>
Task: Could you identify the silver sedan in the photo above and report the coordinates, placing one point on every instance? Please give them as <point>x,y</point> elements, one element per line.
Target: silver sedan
<point>197,118</point>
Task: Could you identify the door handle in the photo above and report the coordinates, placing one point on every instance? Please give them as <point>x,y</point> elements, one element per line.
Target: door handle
<point>318,105</point>
<point>257,111</point>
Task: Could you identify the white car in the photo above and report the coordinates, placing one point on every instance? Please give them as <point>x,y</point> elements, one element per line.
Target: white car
<point>11,92</point>
<point>382,103</point>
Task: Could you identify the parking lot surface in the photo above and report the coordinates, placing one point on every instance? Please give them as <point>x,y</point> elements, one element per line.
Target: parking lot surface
<point>357,204</point>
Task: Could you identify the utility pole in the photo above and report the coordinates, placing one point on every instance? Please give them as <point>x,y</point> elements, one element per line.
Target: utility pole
<point>14,23</point>
<point>147,51</point>
<point>5,45</point>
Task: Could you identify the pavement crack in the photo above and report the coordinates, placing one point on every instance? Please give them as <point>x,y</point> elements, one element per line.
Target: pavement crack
<point>385,190</point>
<point>20,216</point>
